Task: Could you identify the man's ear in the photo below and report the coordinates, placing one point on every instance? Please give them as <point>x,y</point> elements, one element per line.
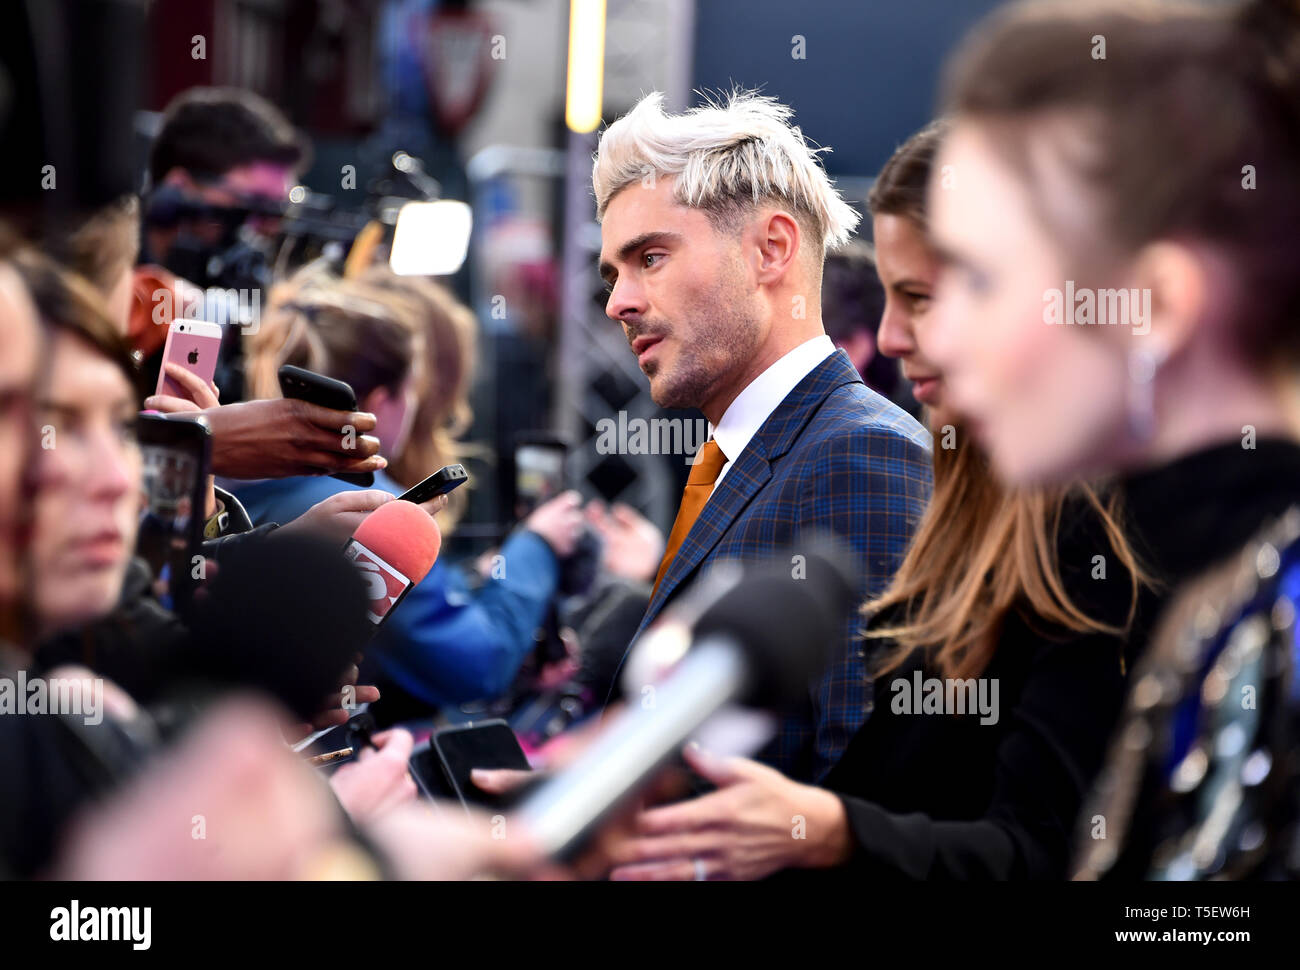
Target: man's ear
<point>1178,279</point>
<point>779,240</point>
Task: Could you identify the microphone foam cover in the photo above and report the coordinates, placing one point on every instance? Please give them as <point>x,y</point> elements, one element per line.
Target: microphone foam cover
<point>788,615</point>
<point>404,536</point>
<point>286,614</point>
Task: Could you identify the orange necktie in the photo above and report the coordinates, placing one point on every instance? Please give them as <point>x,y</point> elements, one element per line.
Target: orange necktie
<point>699,486</point>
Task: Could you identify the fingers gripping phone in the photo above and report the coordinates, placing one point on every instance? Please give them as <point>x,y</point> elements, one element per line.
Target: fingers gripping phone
<point>193,345</point>
<point>442,765</point>
<point>305,385</point>
<point>439,483</point>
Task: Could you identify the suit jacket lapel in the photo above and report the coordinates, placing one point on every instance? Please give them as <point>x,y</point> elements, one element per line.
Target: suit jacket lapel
<point>747,475</point>
<point>752,470</point>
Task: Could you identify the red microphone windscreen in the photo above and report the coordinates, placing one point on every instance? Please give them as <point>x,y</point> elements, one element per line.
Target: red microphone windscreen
<point>404,536</point>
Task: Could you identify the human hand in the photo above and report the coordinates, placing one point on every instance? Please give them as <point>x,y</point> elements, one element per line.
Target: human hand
<point>282,437</point>
<point>756,823</point>
<point>202,394</point>
<point>602,848</point>
<point>338,516</point>
<point>423,843</point>
<point>633,545</point>
<point>229,803</point>
<point>338,707</point>
<point>377,780</point>
<point>559,522</point>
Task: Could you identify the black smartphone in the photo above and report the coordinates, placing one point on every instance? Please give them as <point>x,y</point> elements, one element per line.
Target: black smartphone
<point>439,483</point>
<point>540,470</point>
<point>459,750</point>
<point>305,385</point>
<point>177,459</point>
<point>427,771</point>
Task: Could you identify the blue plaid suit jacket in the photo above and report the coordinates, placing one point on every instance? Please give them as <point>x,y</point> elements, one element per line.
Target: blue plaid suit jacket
<point>833,457</point>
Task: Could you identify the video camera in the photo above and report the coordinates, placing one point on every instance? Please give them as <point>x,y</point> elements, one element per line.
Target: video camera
<point>427,235</point>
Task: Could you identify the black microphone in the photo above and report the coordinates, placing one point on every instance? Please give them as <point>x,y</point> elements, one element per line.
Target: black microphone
<point>285,615</point>
<point>762,642</point>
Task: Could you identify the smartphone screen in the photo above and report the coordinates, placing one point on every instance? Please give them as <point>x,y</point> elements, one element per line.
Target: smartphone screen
<point>195,346</point>
<point>175,466</point>
<point>427,771</point>
<point>491,744</point>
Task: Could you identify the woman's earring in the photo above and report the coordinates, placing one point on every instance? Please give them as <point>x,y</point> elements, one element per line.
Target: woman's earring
<point>1142,367</point>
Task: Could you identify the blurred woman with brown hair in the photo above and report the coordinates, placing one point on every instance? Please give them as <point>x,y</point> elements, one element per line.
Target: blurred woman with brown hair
<point>447,644</point>
<point>335,327</point>
<point>1162,185</point>
<point>981,546</point>
<point>442,410</point>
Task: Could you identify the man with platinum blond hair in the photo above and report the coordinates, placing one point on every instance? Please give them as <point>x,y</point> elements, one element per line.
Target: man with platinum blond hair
<point>714,227</point>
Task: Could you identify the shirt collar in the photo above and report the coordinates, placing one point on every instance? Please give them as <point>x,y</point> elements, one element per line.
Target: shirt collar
<point>755,404</point>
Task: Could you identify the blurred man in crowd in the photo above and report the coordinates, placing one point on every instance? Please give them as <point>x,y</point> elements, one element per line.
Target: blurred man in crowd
<point>220,170</point>
<point>220,147</point>
<point>853,302</point>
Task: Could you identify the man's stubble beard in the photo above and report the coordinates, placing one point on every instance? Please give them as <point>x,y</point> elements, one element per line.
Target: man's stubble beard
<point>724,338</point>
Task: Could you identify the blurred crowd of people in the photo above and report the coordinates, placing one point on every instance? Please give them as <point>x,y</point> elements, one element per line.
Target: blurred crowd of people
<point>1098,523</point>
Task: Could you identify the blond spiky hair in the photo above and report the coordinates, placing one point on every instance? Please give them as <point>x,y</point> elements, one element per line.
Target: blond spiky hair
<point>727,156</point>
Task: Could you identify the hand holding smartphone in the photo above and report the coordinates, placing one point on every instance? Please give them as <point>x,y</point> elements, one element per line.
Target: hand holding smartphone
<point>305,385</point>
<point>442,765</point>
<point>193,345</point>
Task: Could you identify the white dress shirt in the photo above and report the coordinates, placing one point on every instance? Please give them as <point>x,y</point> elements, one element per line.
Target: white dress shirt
<point>755,404</point>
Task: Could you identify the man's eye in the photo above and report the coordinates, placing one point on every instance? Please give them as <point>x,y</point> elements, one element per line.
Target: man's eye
<point>649,256</point>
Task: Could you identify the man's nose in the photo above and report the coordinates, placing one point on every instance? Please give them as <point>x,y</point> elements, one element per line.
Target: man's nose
<point>626,299</point>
